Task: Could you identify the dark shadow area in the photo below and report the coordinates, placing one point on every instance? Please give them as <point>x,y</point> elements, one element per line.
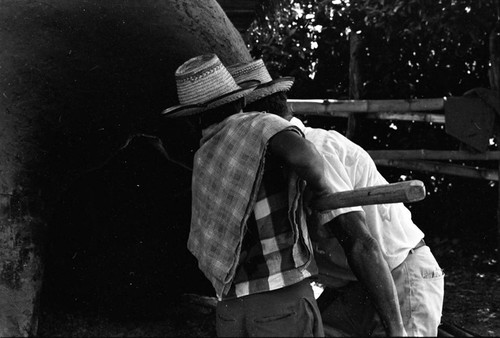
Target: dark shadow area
<point>78,79</point>
<point>117,240</point>
<point>85,76</point>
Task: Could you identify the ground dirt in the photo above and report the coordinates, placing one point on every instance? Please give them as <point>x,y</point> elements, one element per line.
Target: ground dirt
<point>472,301</point>
<point>472,291</point>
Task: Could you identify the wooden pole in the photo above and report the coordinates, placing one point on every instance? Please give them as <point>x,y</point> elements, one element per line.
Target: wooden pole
<point>423,154</point>
<point>398,116</point>
<point>401,192</point>
<point>441,168</point>
<point>413,116</point>
<point>319,106</point>
<point>402,110</point>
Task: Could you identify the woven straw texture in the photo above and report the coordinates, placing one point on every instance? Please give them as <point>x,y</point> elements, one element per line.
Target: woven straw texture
<point>279,85</point>
<point>203,79</point>
<point>245,71</point>
<point>204,83</point>
<point>256,70</point>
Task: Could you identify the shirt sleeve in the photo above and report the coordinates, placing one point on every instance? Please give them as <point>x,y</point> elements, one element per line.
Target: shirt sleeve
<point>339,180</point>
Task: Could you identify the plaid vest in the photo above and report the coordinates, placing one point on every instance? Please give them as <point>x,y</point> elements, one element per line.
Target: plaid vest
<point>272,255</point>
<point>227,174</point>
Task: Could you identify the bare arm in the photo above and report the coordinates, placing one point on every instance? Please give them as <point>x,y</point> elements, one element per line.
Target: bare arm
<point>363,253</point>
<point>302,156</point>
<point>369,266</point>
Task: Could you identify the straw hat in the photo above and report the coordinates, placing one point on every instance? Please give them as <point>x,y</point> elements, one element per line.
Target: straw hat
<point>256,70</point>
<point>204,83</point>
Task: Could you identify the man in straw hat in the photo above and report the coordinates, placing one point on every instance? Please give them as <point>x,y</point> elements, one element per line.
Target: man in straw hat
<point>248,229</point>
<point>362,244</point>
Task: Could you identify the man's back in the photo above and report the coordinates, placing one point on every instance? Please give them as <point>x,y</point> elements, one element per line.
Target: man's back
<point>390,224</point>
<point>226,175</point>
<point>228,170</point>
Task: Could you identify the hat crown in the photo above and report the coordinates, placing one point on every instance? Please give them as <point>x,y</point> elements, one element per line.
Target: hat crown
<point>257,70</point>
<point>254,70</point>
<point>202,79</point>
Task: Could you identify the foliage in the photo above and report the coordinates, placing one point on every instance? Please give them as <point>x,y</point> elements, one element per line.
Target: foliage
<point>282,38</point>
<point>440,47</point>
<point>412,48</point>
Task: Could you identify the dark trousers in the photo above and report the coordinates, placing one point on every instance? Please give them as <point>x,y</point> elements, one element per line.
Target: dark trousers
<point>288,312</point>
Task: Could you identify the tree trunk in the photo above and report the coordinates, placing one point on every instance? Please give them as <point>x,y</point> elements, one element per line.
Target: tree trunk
<point>78,78</point>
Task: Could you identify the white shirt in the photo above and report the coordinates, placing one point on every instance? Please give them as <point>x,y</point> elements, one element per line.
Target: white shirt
<point>348,167</point>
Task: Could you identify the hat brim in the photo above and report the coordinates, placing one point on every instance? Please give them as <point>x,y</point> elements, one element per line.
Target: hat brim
<point>193,109</point>
<point>282,84</point>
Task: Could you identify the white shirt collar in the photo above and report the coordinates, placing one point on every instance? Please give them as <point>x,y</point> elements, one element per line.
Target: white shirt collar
<point>298,123</point>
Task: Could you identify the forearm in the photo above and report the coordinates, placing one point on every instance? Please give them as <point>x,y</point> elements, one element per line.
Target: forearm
<point>369,266</point>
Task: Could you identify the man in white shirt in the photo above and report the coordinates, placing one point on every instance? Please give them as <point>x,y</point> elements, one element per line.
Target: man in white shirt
<point>417,277</point>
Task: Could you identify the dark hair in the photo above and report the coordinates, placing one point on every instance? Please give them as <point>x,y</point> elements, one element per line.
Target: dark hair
<point>273,104</point>
<point>218,114</point>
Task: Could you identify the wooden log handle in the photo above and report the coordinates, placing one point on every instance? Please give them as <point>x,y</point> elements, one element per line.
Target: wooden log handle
<point>405,192</point>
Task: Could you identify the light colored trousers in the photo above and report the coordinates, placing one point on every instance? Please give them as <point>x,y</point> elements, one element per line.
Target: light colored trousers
<point>420,285</point>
